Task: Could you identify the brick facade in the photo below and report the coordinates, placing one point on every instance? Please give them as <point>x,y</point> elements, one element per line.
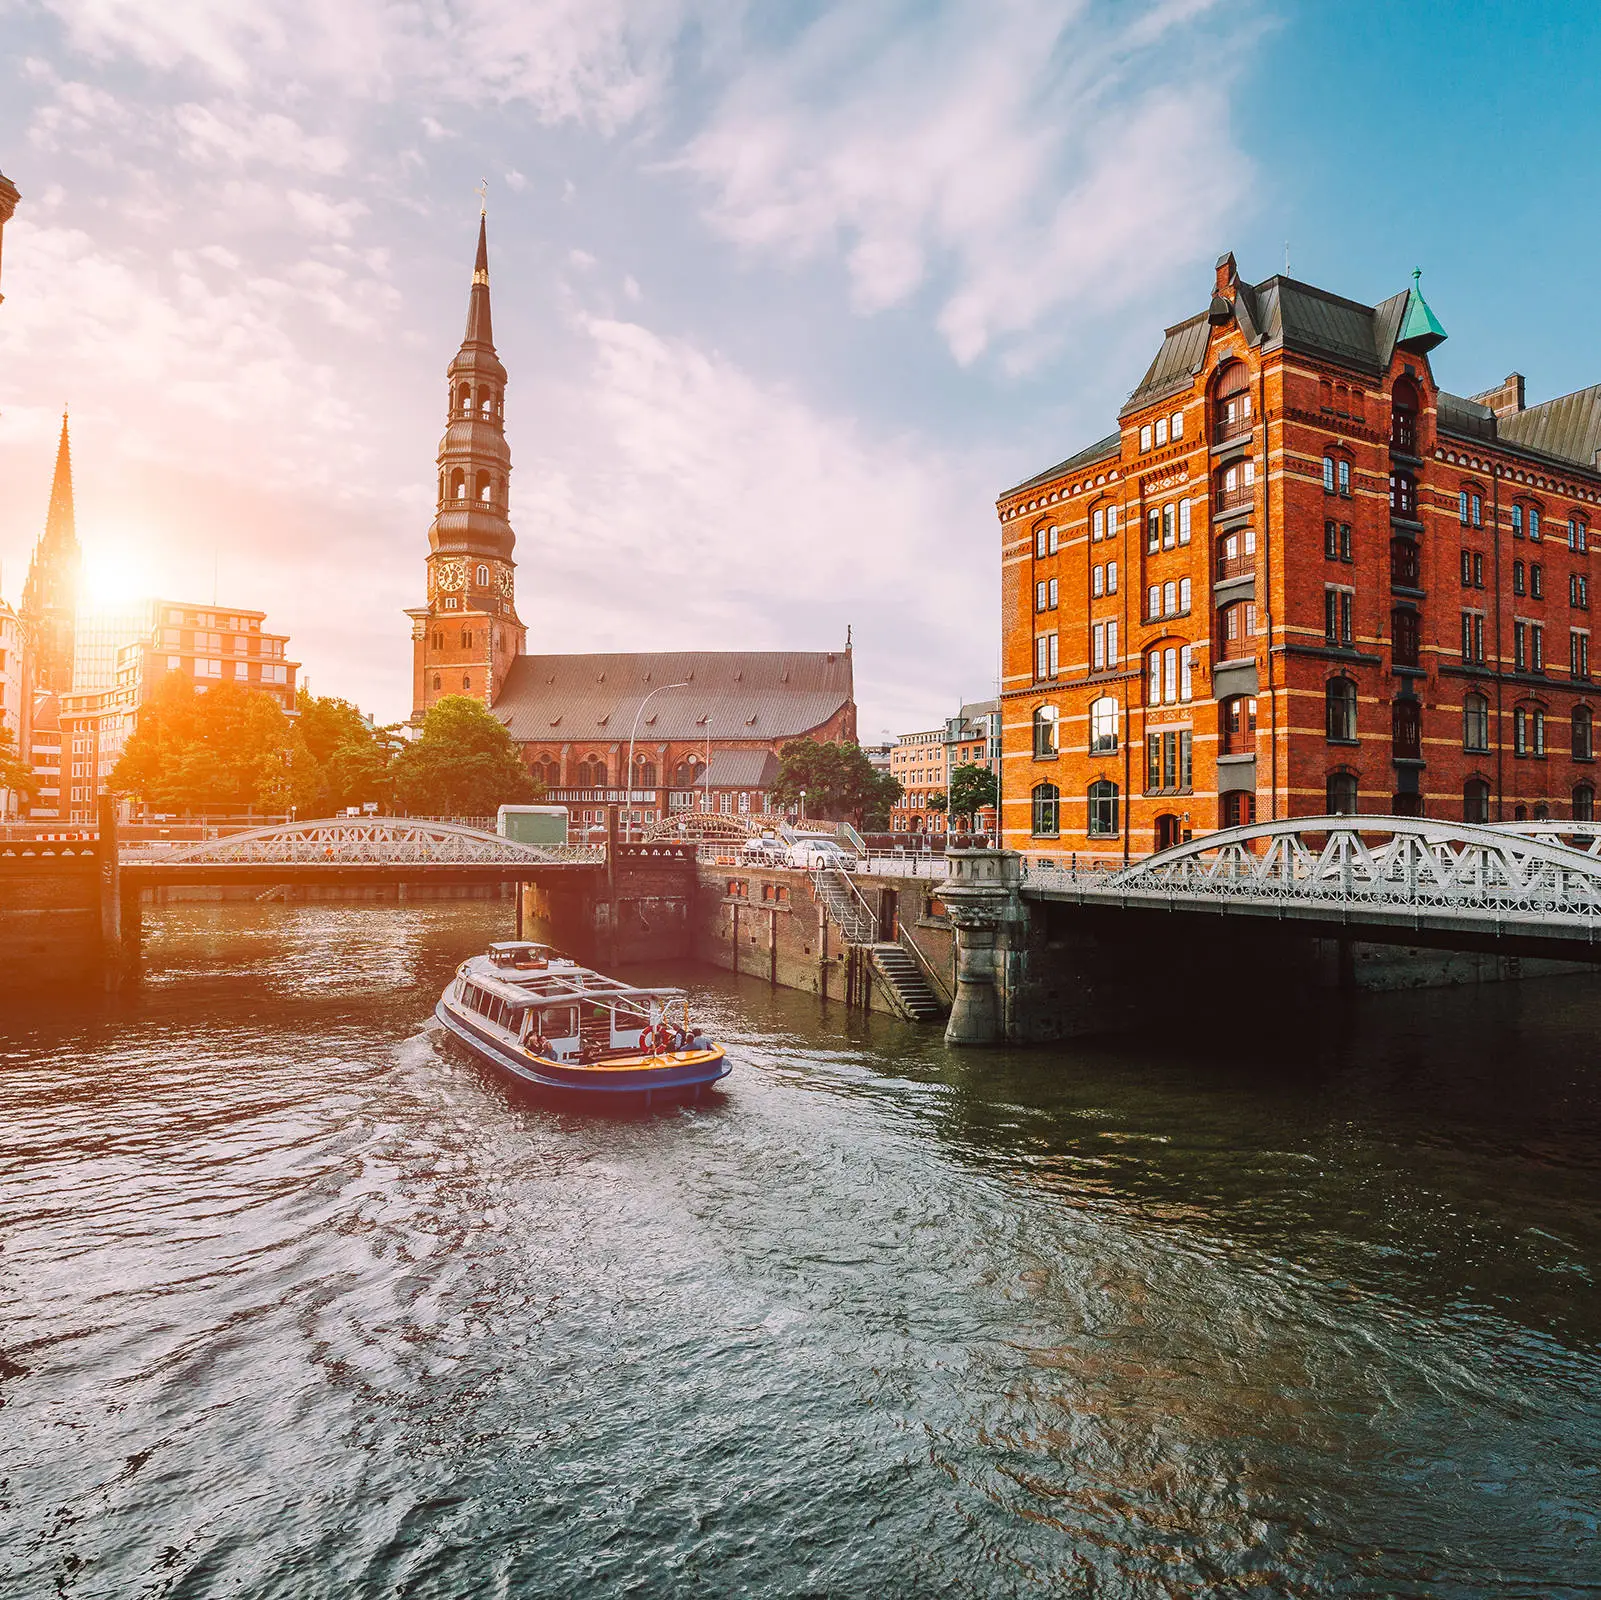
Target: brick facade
<point>1300,578</point>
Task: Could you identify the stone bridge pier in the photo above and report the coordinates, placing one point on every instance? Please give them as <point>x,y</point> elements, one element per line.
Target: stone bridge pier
<point>982,896</point>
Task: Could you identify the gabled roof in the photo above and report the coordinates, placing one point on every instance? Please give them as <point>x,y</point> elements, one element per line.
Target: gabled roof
<point>751,696</point>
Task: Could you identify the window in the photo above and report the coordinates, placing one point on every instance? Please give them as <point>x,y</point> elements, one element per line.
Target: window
<point>1153,602</point>
<point>1103,809</point>
<point>1578,535</point>
<point>1517,520</point>
<point>1534,522</point>
<point>1344,473</point>
<point>1169,528</point>
<point>1098,647</point>
<point>1470,508</point>
<point>1536,581</point>
<point>1403,495</point>
<point>1145,437</point>
<point>1339,794</point>
<point>1111,577</point>
<point>1583,727</point>
<point>1237,484</point>
<point>1404,637</point>
<point>1153,530</point>
<point>1579,591</point>
<point>1103,725</point>
<point>483,576</point>
<point>1475,800</point>
<point>1045,594</point>
<point>1339,711</point>
<point>1404,418</point>
<point>1098,524</point>
<point>1184,594</point>
<point>1170,687</point>
<point>1236,628</point>
<point>1473,636</point>
<point>1536,647</point>
<point>1519,585</point>
<point>1111,644</point>
<point>1404,571</point>
<point>1178,425</point>
<point>1045,656</point>
<point>1237,809</point>
<point>1161,430</point>
<point>1520,647</point>
<point>1475,722</point>
<point>1169,766</point>
<point>1337,541</point>
<point>1097,581</point>
<point>1111,522</point>
<point>1236,553</point>
<point>1170,598</point>
<point>1406,729</point>
<point>1047,809</point>
<point>1328,474</point>
<point>1237,723</point>
<point>1579,653</point>
<point>1047,728</point>
<point>1528,731</point>
<point>1338,605</point>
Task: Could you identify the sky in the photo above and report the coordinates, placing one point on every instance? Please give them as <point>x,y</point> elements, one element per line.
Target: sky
<point>787,294</point>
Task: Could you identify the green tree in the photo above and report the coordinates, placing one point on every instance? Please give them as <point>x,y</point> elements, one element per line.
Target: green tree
<point>462,764</point>
<point>972,788</point>
<point>839,781</point>
<point>15,773</point>
<point>340,757</point>
<point>227,747</point>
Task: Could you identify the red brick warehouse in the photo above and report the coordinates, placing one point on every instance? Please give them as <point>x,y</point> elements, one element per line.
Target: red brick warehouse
<point>1301,578</point>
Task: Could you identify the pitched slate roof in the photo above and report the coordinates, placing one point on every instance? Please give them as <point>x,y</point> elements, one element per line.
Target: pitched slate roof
<point>741,769</point>
<point>1566,429</point>
<point>751,695</point>
<point>1102,450</point>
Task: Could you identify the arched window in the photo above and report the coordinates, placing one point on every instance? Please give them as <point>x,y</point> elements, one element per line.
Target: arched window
<point>684,773</point>
<point>1541,811</point>
<point>1237,631</point>
<point>1047,732</point>
<point>1339,711</point>
<point>458,485</point>
<point>1237,723</point>
<point>1406,729</point>
<point>1476,800</point>
<point>1103,809</point>
<point>1470,506</point>
<point>486,402</point>
<point>1339,794</point>
<point>1231,405</point>
<point>436,680</point>
<point>1236,485</point>
<point>1578,533</point>
<point>1103,725</point>
<point>1528,730</point>
<point>1584,802</point>
<point>1583,733</point>
<point>1237,809</point>
<point>483,487</point>
<point>1403,494</point>
<point>466,680</point>
<point>1404,417</point>
<point>1047,806</point>
<point>481,576</point>
<point>464,399</point>
<point>1475,721</point>
<point>1236,553</point>
<point>644,772</point>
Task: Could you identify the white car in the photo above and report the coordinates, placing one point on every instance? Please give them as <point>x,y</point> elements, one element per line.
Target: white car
<point>810,853</point>
<point>764,852</point>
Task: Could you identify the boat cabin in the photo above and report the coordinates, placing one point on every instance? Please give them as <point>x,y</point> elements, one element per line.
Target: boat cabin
<point>524,955</point>
<point>564,1012</point>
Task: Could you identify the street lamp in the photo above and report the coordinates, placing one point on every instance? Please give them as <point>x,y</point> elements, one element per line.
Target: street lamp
<point>803,805</point>
<point>628,788</point>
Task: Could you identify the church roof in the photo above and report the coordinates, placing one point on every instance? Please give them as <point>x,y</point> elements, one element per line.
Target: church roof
<point>758,696</point>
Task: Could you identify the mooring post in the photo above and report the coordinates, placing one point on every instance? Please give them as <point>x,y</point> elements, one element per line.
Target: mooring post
<point>111,953</point>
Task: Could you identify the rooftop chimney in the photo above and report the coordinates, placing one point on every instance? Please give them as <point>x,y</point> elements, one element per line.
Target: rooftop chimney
<point>1506,399</point>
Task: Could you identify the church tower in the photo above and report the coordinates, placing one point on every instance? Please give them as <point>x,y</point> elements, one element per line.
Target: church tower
<point>466,637</point>
<point>50,596</point>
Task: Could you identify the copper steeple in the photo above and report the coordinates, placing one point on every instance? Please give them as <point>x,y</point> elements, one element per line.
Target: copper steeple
<point>50,596</point>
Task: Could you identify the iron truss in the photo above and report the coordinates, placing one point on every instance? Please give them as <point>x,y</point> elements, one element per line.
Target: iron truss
<point>1364,867</point>
<point>370,841</point>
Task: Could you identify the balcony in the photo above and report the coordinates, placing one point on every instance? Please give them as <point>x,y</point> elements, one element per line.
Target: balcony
<point>1233,561</point>
<point>1231,419</point>
<point>1405,566</point>
<point>1404,432</point>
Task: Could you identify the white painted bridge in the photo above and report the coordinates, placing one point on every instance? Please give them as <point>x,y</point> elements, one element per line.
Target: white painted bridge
<point>1370,876</point>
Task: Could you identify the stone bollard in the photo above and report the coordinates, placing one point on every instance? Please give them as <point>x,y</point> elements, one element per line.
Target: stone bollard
<point>982,895</point>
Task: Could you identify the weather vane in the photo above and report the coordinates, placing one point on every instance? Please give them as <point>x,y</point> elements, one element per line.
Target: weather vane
<point>483,197</point>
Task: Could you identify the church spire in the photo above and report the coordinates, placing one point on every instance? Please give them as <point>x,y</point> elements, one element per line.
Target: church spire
<point>480,330</point>
<point>50,596</point>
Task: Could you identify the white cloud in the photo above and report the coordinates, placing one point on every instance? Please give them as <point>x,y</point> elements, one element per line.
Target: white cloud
<point>317,213</point>
<point>1019,157</point>
<point>235,136</point>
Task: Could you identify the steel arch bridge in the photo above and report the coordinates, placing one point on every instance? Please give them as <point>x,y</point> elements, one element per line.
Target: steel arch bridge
<point>1370,876</point>
<point>366,847</point>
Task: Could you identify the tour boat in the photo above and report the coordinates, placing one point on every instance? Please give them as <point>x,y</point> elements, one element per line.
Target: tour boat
<point>537,1015</point>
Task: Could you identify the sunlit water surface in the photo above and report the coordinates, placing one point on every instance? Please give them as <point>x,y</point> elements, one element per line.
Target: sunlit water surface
<point>294,1302</point>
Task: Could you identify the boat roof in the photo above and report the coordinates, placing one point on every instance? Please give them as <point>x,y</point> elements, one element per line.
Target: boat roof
<point>559,985</point>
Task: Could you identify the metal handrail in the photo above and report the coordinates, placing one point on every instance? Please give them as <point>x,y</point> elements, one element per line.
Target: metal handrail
<point>860,914</point>
<point>907,942</point>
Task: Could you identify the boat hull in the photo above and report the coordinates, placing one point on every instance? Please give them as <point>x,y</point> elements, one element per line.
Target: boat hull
<point>676,1075</point>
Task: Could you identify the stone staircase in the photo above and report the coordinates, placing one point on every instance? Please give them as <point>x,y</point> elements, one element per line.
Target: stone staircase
<point>846,908</point>
<point>903,980</point>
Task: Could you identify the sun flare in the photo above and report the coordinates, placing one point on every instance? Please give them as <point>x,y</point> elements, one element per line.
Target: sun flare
<point>114,577</point>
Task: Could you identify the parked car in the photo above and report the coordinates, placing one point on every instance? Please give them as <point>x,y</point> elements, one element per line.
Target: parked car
<point>810,853</point>
<point>764,852</point>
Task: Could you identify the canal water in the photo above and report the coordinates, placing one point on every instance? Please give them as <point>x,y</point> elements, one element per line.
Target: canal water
<point>295,1303</point>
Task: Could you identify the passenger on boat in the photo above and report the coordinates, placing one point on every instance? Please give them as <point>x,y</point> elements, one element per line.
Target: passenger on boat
<point>664,1038</point>
<point>698,1041</point>
<point>539,1044</point>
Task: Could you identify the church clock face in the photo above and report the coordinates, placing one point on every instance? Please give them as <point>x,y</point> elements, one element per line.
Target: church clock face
<point>503,580</point>
<point>450,574</point>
